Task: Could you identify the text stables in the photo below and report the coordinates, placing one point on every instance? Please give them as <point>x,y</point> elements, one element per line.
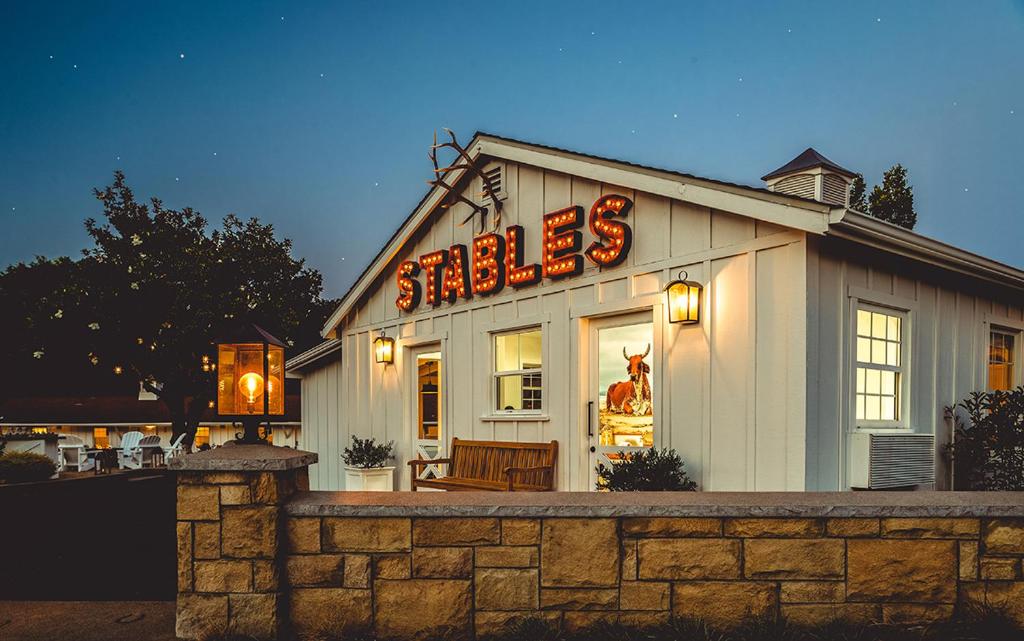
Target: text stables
<point>495,261</point>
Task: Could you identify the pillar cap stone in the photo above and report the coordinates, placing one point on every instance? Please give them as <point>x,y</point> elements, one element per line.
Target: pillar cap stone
<point>232,457</point>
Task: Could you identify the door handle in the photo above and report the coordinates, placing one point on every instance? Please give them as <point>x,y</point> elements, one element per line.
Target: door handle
<point>590,419</point>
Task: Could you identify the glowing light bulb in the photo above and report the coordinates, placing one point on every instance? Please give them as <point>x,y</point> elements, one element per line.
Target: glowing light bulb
<point>251,385</point>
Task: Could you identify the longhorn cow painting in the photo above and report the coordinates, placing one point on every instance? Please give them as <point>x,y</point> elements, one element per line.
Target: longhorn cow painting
<point>626,411</point>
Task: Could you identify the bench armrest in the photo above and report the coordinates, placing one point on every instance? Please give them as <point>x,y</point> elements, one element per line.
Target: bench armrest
<point>431,461</point>
<point>510,472</point>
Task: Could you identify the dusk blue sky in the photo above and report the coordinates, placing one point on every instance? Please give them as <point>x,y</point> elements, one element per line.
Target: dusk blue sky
<point>317,116</point>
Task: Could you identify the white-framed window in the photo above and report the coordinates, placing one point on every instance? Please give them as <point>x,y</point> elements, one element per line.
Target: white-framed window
<point>518,371</point>
<point>880,370</point>
<point>1003,356</point>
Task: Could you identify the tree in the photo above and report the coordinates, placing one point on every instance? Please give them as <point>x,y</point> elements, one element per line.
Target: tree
<point>155,291</point>
<point>893,200</point>
<point>857,192</point>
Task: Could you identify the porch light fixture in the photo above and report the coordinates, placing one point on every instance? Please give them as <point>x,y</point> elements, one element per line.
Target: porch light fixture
<point>683,300</point>
<point>250,379</point>
<point>384,349</point>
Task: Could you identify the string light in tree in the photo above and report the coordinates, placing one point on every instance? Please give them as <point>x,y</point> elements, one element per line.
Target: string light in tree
<point>562,242</point>
<point>488,264</point>
<point>516,273</point>
<point>617,236</point>
<point>433,263</point>
<point>409,290</point>
<point>456,275</point>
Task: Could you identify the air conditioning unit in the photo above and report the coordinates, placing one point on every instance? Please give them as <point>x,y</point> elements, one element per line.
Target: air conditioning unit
<point>884,460</point>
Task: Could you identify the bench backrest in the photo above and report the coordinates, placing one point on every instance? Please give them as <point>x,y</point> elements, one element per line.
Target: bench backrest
<point>487,460</point>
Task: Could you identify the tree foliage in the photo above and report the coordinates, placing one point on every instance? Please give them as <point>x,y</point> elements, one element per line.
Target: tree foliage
<point>987,451</point>
<point>893,200</point>
<point>858,192</point>
<point>648,470</point>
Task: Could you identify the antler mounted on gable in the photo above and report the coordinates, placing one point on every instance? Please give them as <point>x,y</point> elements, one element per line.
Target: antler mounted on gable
<point>466,162</point>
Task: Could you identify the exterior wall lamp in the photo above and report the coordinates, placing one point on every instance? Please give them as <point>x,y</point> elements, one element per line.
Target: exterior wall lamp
<point>683,300</point>
<point>384,349</point>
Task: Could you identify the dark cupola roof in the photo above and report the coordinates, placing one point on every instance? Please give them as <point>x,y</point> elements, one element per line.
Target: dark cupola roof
<point>809,159</point>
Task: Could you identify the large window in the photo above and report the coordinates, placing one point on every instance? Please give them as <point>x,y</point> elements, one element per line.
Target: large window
<point>100,438</point>
<point>1002,350</point>
<point>517,371</point>
<point>202,437</point>
<point>880,368</point>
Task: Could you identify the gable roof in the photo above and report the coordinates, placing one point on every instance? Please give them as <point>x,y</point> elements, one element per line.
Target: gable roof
<point>809,159</point>
<point>755,202</point>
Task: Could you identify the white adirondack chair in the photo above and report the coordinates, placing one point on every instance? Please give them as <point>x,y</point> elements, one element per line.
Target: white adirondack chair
<point>150,445</point>
<point>129,455</point>
<point>71,455</point>
<point>175,448</point>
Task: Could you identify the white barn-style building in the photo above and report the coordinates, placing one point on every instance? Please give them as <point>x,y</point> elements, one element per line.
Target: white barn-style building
<point>828,342</point>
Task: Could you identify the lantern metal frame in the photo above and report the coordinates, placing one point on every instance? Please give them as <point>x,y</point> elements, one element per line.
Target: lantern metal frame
<point>251,335</point>
<point>681,280</point>
<point>379,344</point>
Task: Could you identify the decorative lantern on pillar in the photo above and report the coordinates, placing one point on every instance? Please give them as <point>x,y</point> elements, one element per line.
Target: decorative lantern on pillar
<point>683,300</point>
<point>384,349</point>
<point>250,380</point>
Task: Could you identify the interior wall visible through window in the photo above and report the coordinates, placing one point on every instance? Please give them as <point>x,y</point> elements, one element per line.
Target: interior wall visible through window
<point>518,376</point>
<point>1002,356</point>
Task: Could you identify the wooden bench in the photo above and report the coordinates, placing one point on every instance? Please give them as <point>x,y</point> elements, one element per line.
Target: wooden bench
<point>494,466</point>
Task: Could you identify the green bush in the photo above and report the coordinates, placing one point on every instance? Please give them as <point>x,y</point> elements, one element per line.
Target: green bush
<point>20,467</point>
<point>649,470</point>
<point>366,453</point>
<point>987,451</point>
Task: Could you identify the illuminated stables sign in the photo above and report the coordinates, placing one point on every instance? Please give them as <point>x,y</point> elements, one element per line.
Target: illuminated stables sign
<point>494,261</point>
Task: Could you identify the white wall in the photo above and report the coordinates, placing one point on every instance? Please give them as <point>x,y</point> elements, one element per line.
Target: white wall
<point>730,392</point>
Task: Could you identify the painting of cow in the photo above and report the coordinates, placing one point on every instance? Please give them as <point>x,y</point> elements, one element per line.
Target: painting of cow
<point>632,397</point>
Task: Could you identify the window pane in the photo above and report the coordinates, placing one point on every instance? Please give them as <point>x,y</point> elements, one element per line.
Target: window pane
<point>893,333</point>
<point>860,380</point>
<point>860,406</point>
<point>889,383</point>
<point>878,352</point>
<point>519,392</point>
<point>863,323</point>
<point>888,412</point>
<point>1000,361</point>
<point>878,325</point>
<point>864,350</point>
<point>892,356</point>
<point>874,381</point>
<point>529,350</point>
<point>872,410</point>
<point>517,351</point>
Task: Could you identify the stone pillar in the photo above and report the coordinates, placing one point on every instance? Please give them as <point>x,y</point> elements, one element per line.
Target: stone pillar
<point>230,538</point>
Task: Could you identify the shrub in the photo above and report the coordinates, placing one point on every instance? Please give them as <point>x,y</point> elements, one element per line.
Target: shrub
<point>649,470</point>
<point>26,434</point>
<point>20,467</point>
<point>366,453</point>
<point>987,451</point>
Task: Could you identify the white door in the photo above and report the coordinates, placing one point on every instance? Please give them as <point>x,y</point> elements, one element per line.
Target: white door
<point>427,409</point>
<point>621,407</point>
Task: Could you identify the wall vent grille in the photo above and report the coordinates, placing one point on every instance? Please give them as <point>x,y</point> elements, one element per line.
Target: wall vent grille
<point>800,185</point>
<point>496,176</point>
<point>881,461</point>
<point>834,190</point>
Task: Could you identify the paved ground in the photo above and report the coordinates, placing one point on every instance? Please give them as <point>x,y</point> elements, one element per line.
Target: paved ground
<point>87,620</point>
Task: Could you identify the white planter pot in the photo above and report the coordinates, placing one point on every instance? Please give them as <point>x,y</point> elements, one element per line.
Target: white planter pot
<point>373,479</point>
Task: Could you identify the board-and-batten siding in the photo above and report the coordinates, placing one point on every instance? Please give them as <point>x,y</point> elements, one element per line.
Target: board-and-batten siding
<point>731,404</point>
<point>948,346</point>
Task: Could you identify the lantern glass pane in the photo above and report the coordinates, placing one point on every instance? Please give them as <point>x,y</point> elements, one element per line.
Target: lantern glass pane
<point>227,358</point>
<point>249,386</point>
<point>275,380</point>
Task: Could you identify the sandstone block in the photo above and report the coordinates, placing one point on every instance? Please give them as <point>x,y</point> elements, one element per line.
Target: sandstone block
<point>968,561</point>
<point>357,571</point>
<point>579,599</point>
<point>393,566</point>
<point>852,527</point>
<point>495,623</point>
<point>198,503</point>
<point>823,614</point>
<point>629,560</point>
<point>200,616</point>
<point>794,559</point>
<point>1009,598</point>
<point>303,535</point>
<point>901,571</point>
<point>503,556</point>
<point>724,603</point>
<point>234,495</point>
<point>345,534</point>
<point>223,576</point>
<point>329,611</point>
<point>308,570</point>
<point>266,489</point>
<point>931,528</point>
<point>184,552</point>
<point>254,615</point>
<point>207,539</point>
<point>1004,536</point>
<point>520,531</point>
<point>265,576</point>
<point>644,595</point>
<point>971,593</point>
<point>566,562</point>
<point>1000,568</point>
<point>910,614</point>
<point>456,531</point>
<point>669,527</point>
<point>689,558</point>
<point>442,563</point>
<point>812,591</point>
<point>424,608</point>
<point>249,532</point>
<point>222,478</point>
<point>782,527</point>
<point>505,589</point>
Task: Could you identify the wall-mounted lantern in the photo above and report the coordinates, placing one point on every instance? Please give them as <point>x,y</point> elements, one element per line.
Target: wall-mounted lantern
<point>683,300</point>
<point>384,349</point>
<point>250,379</point>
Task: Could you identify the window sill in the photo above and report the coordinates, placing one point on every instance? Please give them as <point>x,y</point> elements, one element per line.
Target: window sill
<point>531,418</point>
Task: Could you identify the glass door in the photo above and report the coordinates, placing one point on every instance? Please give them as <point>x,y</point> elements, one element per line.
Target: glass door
<point>621,406</point>
<point>427,415</point>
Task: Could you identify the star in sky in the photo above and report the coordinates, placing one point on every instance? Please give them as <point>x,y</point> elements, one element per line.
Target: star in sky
<point>181,56</point>
<point>675,115</point>
<point>176,179</point>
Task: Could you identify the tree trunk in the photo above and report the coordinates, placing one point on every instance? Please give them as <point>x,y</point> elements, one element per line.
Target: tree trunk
<point>175,403</point>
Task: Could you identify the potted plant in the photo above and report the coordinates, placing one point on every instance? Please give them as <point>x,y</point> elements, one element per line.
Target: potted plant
<point>366,466</point>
